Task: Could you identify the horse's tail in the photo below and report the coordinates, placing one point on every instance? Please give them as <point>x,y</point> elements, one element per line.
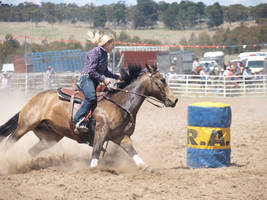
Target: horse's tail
<point>9,127</point>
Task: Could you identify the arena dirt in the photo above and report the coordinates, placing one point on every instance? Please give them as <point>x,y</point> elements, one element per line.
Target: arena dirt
<point>63,172</point>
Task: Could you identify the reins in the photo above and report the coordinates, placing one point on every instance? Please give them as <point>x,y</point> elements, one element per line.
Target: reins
<point>120,106</point>
<point>141,95</point>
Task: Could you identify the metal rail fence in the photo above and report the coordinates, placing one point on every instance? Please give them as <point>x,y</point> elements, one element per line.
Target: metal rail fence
<point>180,84</point>
<point>29,84</point>
<point>218,86</point>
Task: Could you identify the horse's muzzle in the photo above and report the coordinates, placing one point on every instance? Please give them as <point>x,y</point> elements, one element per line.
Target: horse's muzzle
<point>171,103</point>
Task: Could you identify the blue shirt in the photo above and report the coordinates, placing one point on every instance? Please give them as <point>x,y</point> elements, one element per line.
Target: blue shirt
<point>96,65</point>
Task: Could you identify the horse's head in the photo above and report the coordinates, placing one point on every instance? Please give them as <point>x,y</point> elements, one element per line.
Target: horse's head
<point>159,88</point>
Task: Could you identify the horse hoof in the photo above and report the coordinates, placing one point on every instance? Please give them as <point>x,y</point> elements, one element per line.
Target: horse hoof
<point>94,163</point>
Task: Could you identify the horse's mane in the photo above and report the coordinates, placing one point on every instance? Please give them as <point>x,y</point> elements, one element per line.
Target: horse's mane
<point>128,75</point>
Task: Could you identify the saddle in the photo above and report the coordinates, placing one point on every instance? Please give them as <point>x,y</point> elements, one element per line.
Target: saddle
<point>77,96</point>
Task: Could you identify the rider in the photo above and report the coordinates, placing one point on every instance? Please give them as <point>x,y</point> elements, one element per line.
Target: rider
<point>95,71</point>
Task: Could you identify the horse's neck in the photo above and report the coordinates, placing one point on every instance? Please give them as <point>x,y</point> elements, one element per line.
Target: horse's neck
<point>132,100</point>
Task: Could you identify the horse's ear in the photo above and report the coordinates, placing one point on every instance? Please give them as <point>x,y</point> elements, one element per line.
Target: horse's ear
<point>155,67</point>
<point>150,68</point>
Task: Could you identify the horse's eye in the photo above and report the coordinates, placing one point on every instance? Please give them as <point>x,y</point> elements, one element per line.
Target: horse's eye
<point>163,80</point>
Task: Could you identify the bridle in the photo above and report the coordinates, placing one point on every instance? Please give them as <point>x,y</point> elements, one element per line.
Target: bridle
<point>163,93</point>
<point>145,96</point>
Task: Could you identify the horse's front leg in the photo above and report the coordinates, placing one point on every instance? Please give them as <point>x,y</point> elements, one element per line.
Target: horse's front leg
<point>99,139</point>
<point>126,145</point>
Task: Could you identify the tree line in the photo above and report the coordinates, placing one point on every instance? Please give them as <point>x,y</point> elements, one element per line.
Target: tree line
<point>233,40</point>
<point>145,14</point>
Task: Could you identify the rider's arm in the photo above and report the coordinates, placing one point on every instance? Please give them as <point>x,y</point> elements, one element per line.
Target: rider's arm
<point>109,74</point>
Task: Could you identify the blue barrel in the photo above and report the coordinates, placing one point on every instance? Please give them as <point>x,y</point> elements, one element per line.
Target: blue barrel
<point>208,135</point>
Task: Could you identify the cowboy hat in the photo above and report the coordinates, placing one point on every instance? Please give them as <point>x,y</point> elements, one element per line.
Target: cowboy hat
<point>100,39</point>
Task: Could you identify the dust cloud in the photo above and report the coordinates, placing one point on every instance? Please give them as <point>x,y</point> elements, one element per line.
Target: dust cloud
<point>63,172</point>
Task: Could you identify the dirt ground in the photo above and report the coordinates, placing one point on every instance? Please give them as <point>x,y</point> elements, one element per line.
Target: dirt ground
<point>160,138</point>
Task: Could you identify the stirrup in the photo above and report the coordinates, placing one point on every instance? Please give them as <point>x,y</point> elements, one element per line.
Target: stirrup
<point>80,128</point>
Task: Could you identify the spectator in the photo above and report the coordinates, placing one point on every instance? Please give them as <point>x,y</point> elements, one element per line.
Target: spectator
<point>247,75</point>
<point>230,74</point>
<point>226,71</point>
<point>50,75</point>
<point>259,75</point>
<point>207,67</point>
<point>195,66</point>
<point>171,74</point>
<point>203,75</point>
<point>221,72</point>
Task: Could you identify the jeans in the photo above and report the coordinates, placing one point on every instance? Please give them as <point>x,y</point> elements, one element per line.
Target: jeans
<point>88,87</point>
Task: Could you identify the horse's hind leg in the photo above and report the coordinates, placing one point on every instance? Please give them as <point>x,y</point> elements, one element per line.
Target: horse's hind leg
<point>48,138</point>
<point>19,132</point>
<point>126,144</point>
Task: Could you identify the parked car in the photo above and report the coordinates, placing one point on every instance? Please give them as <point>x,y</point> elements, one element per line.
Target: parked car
<point>255,63</point>
<point>246,55</point>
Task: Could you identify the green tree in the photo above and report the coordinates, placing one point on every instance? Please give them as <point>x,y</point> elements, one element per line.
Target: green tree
<point>235,13</point>
<point>200,12</point>
<point>9,47</point>
<point>259,12</point>
<point>49,10</point>
<point>262,30</point>
<point>214,14</point>
<point>182,14</point>
<point>146,13</point>
<point>170,17</point>
<point>37,15</point>
<point>117,13</point>
<point>162,7</point>
<point>100,17</point>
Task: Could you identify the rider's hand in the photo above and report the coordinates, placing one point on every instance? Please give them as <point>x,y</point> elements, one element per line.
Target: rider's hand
<point>106,81</point>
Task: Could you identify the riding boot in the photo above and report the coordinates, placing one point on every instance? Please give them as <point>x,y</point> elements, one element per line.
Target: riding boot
<point>91,126</point>
<point>80,127</point>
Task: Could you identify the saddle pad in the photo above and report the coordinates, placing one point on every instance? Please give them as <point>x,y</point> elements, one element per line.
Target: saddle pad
<point>65,94</point>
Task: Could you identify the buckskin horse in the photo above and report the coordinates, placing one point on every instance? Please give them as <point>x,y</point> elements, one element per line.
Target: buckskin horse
<point>47,115</point>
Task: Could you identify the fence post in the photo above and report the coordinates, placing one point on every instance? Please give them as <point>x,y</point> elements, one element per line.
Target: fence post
<point>44,81</point>
<point>26,84</point>
<point>186,86</point>
<point>244,83</point>
<point>206,84</point>
<point>264,78</point>
<point>224,88</point>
